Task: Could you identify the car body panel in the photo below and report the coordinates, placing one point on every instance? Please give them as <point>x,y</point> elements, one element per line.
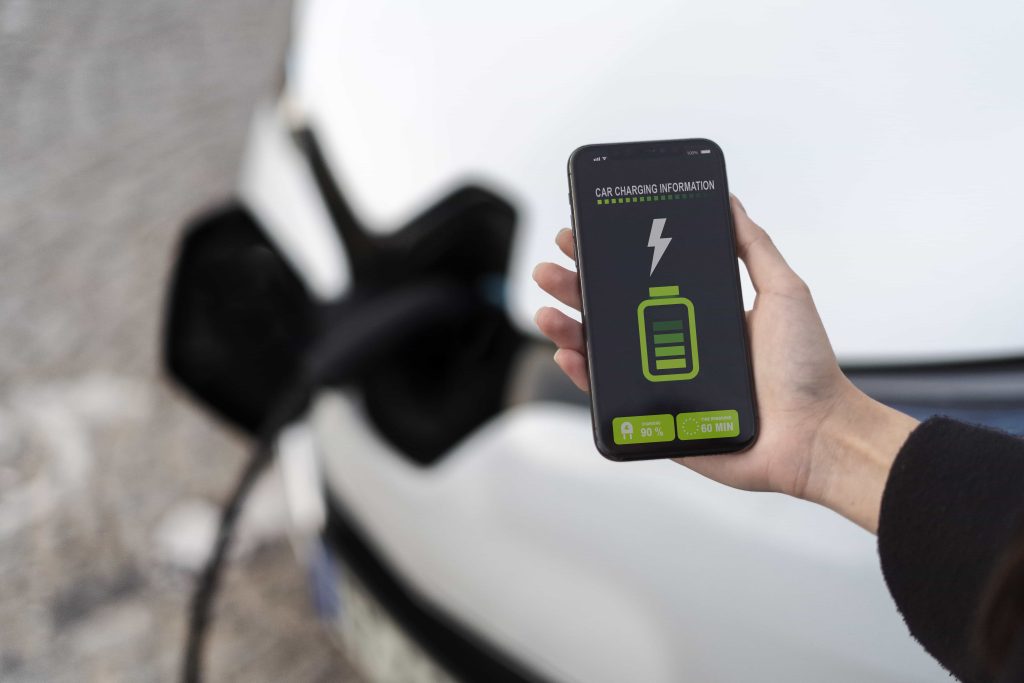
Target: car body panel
<point>596,571</point>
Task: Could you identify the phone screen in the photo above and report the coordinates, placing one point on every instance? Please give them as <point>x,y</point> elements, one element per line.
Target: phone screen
<point>662,308</point>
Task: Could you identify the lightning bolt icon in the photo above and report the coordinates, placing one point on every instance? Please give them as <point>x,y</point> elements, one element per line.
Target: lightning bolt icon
<point>658,243</point>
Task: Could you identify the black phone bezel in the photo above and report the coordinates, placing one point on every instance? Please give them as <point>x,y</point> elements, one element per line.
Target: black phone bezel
<point>675,448</point>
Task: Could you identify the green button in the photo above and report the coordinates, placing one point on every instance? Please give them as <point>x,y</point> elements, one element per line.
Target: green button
<point>708,424</point>
<point>643,429</point>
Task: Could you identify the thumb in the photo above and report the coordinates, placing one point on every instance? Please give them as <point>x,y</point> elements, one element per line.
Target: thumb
<point>768,269</point>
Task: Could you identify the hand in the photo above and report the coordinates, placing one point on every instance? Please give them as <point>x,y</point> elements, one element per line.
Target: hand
<point>820,437</point>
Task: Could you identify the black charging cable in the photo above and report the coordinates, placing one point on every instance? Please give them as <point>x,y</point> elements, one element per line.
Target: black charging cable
<point>358,333</point>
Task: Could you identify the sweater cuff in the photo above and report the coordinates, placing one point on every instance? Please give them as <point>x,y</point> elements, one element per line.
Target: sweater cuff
<point>953,499</point>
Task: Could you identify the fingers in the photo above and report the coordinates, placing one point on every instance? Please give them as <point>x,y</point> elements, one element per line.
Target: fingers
<point>574,365</point>
<point>565,332</point>
<point>564,241</point>
<point>559,283</point>
<point>768,270</point>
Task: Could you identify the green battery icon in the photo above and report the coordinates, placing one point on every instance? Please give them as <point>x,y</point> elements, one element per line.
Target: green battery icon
<point>668,336</point>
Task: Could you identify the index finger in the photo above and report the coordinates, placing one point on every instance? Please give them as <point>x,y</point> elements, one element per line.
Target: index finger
<point>565,242</point>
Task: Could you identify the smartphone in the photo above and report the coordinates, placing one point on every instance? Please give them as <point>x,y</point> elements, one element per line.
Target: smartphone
<point>663,316</point>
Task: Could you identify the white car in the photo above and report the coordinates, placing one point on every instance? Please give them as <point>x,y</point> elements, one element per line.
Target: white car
<point>447,495</point>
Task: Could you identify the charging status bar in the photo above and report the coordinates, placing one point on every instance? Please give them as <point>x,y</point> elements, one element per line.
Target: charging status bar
<point>652,198</point>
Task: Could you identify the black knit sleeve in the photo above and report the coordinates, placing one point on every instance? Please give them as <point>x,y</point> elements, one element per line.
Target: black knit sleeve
<point>952,503</point>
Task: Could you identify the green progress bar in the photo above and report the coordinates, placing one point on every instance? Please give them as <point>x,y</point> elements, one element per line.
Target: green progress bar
<point>670,350</point>
<point>670,364</point>
<point>670,338</point>
<point>650,198</point>
<point>660,325</point>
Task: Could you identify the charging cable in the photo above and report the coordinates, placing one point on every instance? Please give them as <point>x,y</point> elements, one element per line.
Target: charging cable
<point>359,332</point>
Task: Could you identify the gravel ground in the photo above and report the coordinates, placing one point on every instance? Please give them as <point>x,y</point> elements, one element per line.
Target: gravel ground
<point>121,118</point>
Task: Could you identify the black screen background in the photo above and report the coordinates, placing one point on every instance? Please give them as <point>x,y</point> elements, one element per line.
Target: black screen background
<point>615,260</point>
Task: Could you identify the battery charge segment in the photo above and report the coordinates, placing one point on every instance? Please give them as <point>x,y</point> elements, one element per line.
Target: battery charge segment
<point>668,341</point>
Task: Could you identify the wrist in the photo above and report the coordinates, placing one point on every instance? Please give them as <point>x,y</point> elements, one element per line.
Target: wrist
<point>853,453</point>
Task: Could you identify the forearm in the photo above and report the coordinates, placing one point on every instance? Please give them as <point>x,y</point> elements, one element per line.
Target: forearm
<point>944,498</point>
<point>853,454</point>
